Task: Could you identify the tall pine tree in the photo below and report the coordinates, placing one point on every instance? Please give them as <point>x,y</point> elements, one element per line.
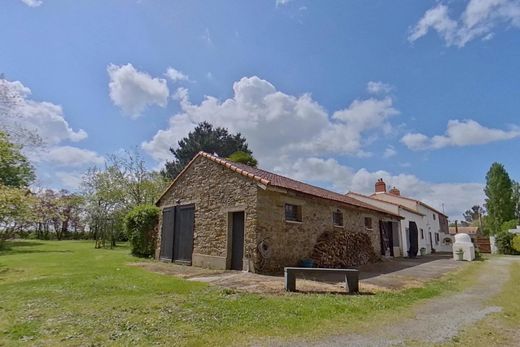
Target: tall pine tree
<point>499,201</point>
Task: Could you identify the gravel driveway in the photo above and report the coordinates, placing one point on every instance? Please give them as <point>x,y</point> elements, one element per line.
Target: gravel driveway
<point>436,320</point>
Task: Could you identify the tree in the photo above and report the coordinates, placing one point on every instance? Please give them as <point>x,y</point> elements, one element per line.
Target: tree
<point>16,206</point>
<point>499,202</point>
<point>15,168</point>
<point>516,199</point>
<point>243,158</point>
<point>473,216</point>
<point>204,138</point>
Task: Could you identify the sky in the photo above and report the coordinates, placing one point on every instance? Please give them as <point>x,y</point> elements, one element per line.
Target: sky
<point>424,94</point>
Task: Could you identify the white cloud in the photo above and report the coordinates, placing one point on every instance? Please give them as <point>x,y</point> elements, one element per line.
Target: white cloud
<point>271,119</point>
<point>42,118</point>
<point>282,2</point>
<point>133,91</point>
<point>455,198</point>
<point>176,75</point>
<point>70,179</point>
<point>389,152</point>
<point>69,156</point>
<point>378,87</point>
<point>32,3</point>
<point>459,133</point>
<point>478,20</point>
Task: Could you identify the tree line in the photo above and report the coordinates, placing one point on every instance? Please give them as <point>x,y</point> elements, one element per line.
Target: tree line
<point>107,195</point>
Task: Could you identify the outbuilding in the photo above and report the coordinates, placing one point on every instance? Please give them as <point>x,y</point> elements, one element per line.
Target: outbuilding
<point>224,215</point>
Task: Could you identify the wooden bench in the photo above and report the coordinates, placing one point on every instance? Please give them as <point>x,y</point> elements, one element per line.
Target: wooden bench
<point>350,276</point>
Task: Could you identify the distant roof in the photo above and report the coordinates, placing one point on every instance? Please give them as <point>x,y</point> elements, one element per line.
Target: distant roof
<point>388,202</point>
<point>415,200</point>
<point>465,230</point>
<point>274,180</point>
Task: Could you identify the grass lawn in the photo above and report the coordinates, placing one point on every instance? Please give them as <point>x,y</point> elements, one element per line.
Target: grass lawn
<point>67,292</point>
<point>498,329</point>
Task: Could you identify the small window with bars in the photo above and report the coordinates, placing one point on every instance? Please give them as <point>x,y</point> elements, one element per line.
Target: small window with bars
<point>337,218</point>
<point>293,213</point>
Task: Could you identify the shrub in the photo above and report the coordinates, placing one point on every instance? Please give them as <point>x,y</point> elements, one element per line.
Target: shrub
<point>504,242</point>
<point>515,244</point>
<point>243,158</point>
<point>140,225</point>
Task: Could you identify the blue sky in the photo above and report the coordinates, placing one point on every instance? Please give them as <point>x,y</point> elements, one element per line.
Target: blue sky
<point>422,93</point>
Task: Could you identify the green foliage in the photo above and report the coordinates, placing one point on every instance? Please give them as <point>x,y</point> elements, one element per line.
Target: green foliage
<point>515,244</point>
<point>499,202</point>
<point>204,138</point>
<point>243,158</point>
<point>140,224</point>
<point>15,169</point>
<point>16,208</point>
<point>504,242</point>
<point>510,224</point>
<point>114,304</point>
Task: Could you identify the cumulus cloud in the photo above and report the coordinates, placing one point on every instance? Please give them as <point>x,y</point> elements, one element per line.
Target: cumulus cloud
<point>33,3</point>
<point>176,75</point>
<point>459,133</point>
<point>270,119</point>
<point>70,179</point>
<point>69,156</point>
<point>389,152</point>
<point>478,20</point>
<point>43,118</point>
<point>282,2</point>
<point>454,198</point>
<point>378,87</point>
<point>133,91</point>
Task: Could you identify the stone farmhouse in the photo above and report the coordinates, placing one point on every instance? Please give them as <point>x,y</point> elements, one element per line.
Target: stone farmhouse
<point>224,215</point>
<point>421,227</point>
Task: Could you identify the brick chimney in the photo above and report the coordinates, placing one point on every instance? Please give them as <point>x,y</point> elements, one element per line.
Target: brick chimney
<point>380,186</point>
<point>395,191</point>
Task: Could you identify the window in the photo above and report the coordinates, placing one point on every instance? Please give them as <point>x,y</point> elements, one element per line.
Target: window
<point>293,213</point>
<point>434,216</point>
<point>422,234</point>
<point>368,223</point>
<point>437,239</point>
<point>337,218</point>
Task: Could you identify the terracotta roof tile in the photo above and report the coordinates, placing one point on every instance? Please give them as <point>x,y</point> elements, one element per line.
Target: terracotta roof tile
<point>271,179</point>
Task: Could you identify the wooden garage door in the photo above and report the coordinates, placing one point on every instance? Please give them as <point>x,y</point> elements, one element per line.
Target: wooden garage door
<point>183,235</point>
<point>167,234</point>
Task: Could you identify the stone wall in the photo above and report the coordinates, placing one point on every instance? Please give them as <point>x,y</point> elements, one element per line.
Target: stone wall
<point>290,242</point>
<point>216,192</point>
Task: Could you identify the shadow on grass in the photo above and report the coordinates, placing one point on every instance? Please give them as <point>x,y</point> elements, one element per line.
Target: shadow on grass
<point>11,244</point>
<point>333,292</point>
<point>29,251</point>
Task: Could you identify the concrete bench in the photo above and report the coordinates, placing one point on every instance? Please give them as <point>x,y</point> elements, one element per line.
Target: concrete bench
<point>350,276</point>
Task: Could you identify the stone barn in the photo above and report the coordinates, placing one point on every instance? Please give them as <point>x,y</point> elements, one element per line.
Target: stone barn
<point>224,215</point>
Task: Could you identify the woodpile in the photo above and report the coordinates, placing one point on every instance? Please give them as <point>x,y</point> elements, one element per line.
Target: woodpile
<point>343,249</point>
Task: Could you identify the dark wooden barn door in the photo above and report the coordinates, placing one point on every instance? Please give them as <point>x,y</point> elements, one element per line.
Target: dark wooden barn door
<point>183,236</point>
<point>237,241</point>
<point>413,237</point>
<point>168,217</point>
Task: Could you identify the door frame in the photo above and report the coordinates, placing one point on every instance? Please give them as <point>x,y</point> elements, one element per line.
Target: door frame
<point>176,216</point>
<point>229,239</point>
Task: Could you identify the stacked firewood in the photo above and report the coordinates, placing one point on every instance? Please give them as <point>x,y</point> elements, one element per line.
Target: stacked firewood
<point>343,249</point>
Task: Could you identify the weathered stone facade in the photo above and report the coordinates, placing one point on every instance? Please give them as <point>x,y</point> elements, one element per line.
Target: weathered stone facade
<point>216,192</point>
<point>290,242</point>
<point>270,242</point>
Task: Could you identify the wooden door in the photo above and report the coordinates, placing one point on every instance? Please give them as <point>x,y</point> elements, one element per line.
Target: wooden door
<point>168,218</point>
<point>413,236</point>
<point>183,235</point>
<point>237,241</point>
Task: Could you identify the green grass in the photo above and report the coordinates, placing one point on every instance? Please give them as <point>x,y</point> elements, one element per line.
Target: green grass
<point>498,329</point>
<point>68,293</point>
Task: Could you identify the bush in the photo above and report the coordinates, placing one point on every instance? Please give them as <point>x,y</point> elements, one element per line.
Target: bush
<point>504,242</point>
<point>140,225</point>
<point>515,244</point>
<point>243,158</point>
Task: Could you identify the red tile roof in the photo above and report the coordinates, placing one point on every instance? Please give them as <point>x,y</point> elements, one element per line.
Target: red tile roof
<point>274,180</point>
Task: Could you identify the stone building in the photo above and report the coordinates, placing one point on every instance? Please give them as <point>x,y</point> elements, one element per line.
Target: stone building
<point>224,215</point>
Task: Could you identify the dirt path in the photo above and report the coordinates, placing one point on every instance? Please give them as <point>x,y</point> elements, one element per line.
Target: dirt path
<point>436,320</point>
